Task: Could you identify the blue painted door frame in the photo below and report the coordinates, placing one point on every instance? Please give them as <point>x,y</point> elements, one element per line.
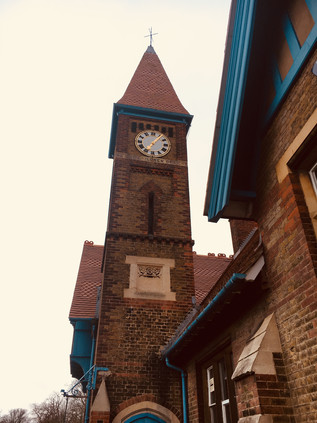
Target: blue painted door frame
<point>145,418</point>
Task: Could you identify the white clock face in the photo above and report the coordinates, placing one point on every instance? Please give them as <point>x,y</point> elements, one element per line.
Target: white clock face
<point>152,143</point>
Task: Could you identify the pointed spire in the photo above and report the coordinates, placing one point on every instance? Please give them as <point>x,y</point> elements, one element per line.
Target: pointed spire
<point>150,87</point>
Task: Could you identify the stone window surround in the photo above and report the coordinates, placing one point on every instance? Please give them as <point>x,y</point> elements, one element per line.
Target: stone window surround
<point>306,179</point>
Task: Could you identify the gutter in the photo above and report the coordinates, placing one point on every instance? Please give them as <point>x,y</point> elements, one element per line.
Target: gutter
<point>234,278</point>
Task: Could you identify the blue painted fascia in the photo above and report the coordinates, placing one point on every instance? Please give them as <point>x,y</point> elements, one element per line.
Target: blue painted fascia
<point>141,112</point>
<point>232,107</point>
<point>283,87</point>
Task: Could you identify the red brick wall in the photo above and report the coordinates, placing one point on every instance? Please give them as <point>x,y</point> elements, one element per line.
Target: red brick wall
<point>290,247</point>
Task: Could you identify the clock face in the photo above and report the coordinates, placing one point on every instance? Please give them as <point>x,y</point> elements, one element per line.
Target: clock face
<point>152,143</point>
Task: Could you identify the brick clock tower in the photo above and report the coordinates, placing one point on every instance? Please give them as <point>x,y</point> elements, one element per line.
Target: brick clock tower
<point>148,266</point>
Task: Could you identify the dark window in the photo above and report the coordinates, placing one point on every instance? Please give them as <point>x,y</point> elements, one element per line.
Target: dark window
<point>313,176</point>
<point>133,127</point>
<point>141,126</point>
<point>148,126</point>
<point>163,130</point>
<point>219,404</point>
<point>151,214</point>
<point>170,132</point>
<point>156,127</point>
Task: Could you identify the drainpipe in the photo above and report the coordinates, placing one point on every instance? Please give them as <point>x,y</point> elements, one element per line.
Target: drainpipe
<point>235,277</point>
<point>90,376</point>
<point>183,374</point>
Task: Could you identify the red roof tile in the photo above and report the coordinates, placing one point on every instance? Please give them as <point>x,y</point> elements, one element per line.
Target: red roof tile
<point>207,270</point>
<point>88,280</point>
<point>151,88</point>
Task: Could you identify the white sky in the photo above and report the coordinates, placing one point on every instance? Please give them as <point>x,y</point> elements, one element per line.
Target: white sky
<point>63,63</point>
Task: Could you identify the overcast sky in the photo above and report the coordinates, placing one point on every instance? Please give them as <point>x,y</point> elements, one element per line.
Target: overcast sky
<point>63,63</point>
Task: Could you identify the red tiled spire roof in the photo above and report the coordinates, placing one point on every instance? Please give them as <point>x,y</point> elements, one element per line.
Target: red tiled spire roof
<point>207,270</point>
<point>89,279</point>
<point>151,88</point>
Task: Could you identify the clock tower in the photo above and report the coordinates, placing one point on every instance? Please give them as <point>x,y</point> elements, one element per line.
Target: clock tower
<point>148,280</point>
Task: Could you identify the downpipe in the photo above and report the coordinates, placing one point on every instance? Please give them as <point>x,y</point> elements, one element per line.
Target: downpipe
<point>90,376</point>
<point>184,396</point>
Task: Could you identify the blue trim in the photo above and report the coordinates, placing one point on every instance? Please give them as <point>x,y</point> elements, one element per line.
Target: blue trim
<point>312,6</point>
<point>232,107</point>
<point>277,79</point>
<point>124,109</point>
<point>82,344</point>
<point>184,396</point>
<point>235,277</point>
<point>291,37</point>
<point>294,70</point>
<point>145,417</point>
<point>92,354</point>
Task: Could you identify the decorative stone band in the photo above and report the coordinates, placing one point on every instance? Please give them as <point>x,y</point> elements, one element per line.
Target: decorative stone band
<point>152,171</point>
<point>151,238</point>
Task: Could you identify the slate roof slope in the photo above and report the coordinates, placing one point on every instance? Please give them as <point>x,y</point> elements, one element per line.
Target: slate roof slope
<point>207,271</point>
<point>89,279</point>
<point>150,87</point>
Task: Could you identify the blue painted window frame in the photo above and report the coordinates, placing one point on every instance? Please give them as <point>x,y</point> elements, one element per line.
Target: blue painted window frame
<point>299,55</point>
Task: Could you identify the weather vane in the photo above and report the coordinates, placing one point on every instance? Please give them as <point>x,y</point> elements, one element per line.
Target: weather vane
<point>151,35</point>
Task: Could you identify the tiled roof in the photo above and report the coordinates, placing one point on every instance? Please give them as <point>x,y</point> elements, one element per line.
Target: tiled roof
<point>151,88</point>
<point>207,270</point>
<point>89,279</point>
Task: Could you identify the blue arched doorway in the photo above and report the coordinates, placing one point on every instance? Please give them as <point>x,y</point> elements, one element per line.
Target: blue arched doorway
<point>145,418</point>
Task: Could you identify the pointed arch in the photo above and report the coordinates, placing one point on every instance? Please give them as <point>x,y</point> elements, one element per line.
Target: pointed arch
<point>146,411</point>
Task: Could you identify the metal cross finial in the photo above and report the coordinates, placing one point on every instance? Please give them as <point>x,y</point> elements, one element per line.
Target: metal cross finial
<point>151,35</point>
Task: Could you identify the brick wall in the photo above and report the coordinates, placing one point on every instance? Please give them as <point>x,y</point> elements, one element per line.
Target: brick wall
<point>240,229</point>
<point>132,330</point>
<point>290,247</point>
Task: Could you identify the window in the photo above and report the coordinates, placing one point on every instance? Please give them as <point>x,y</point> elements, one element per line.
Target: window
<point>303,162</point>
<point>218,390</point>
<point>313,177</point>
<point>151,214</point>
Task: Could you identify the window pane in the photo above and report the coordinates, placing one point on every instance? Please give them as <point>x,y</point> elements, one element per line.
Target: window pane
<point>226,413</point>
<point>213,417</point>
<point>313,176</point>
<point>211,386</point>
<point>223,380</point>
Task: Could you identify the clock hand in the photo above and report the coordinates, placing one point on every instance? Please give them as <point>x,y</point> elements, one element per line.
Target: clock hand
<point>153,142</point>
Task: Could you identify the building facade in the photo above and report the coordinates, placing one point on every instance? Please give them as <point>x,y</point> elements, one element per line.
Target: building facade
<point>164,334</point>
<point>251,353</point>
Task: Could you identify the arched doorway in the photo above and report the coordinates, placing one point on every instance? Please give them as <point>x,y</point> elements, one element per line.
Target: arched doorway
<point>145,418</point>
